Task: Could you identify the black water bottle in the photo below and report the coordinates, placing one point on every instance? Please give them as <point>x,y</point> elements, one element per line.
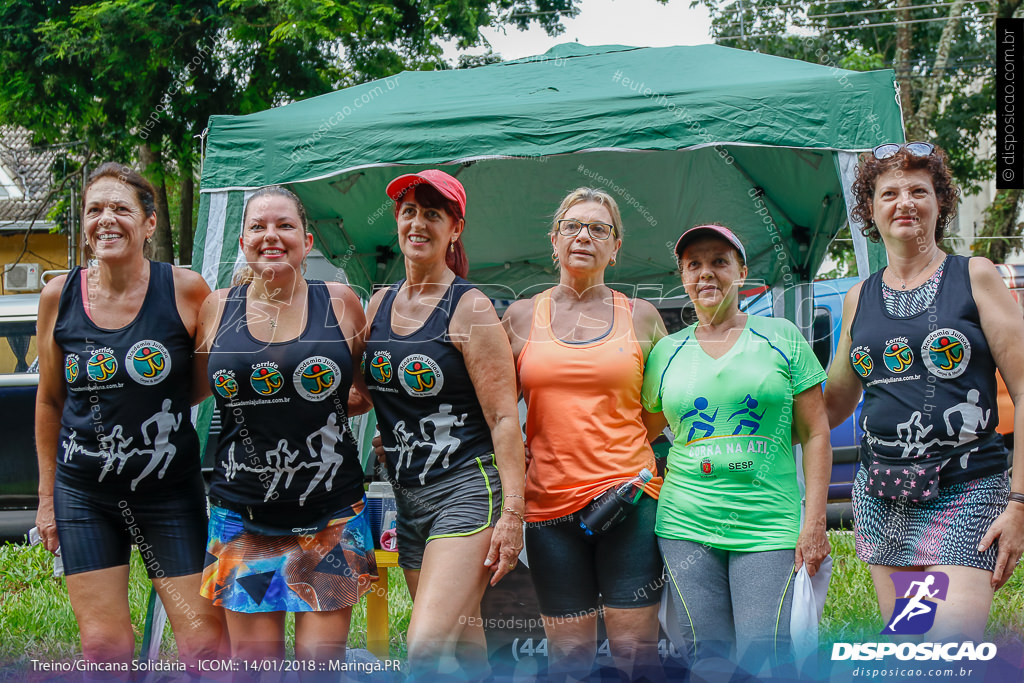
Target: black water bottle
<point>614,505</point>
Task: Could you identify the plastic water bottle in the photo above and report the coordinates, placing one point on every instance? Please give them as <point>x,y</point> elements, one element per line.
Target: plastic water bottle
<point>614,505</point>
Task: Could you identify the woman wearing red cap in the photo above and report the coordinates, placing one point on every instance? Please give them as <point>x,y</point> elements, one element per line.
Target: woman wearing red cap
<point>736,390</point>
<point>440,373</point>
<point>581,349</point>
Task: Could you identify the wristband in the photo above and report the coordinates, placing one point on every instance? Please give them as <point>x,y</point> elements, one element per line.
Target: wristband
<point>1017,497</point>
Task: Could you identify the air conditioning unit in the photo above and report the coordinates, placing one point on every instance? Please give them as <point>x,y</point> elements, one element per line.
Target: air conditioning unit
<point>21,277</point>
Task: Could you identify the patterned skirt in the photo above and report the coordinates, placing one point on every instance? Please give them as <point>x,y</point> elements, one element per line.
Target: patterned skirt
<point>946,530</point>
<point>322,572</point>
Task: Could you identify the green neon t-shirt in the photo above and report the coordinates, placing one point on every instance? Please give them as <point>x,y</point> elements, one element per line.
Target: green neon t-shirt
<point>731,478</point>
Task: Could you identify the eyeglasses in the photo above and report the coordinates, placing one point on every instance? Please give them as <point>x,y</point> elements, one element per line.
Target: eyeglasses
<point>567,227</point>
<point>917,149</point>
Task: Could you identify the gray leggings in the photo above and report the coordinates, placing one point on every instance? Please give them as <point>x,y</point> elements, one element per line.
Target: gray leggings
<point>732,606</point>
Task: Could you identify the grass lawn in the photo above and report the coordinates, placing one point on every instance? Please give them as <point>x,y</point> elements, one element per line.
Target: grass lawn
<point>36,621</point>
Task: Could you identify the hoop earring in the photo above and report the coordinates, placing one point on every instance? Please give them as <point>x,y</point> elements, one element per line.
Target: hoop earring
<point>554,257</point>
<point>613,261</point>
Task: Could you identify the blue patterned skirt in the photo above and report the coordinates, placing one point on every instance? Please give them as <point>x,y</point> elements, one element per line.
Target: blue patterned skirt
<point>946,530</point>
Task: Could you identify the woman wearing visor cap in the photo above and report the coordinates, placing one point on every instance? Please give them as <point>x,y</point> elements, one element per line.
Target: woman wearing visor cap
<point>736,390</point>
<point>440,373</point>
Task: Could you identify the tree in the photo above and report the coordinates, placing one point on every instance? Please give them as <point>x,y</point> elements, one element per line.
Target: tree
<point>941,52</point>
<point>138,79</point>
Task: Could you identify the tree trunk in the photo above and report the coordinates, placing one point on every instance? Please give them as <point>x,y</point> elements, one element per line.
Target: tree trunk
<point>901,64</point>
<point>929,102</point>
<point>1001,221</point>
<point>185,214</point>
<point>153,167</point>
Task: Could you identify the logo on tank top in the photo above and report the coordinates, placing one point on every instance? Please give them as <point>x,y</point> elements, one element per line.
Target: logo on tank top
<point>316,378</point>
<point>266,379</point>
<point>102,365</point>
<point>946,353</point>
<point>71,367</point>
<point>148,362</point>
<point>860,359</point>
<point>707,468</point>
<point>898,355</point>
<point>421,375</point>
<point>380,367</point>
<point>224,384</point>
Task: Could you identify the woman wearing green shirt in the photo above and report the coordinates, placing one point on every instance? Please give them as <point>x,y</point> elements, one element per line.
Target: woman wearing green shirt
<point>735,390</point>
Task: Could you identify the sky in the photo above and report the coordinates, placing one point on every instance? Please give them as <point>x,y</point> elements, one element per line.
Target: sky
<point>640,23</point>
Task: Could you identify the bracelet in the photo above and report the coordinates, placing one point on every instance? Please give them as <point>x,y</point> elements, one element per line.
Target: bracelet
<point>517,514</point>
<point>1017,497</point>
<point>515,495</point>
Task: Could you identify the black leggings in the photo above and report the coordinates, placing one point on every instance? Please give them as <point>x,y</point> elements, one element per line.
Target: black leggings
<point>570,570</point>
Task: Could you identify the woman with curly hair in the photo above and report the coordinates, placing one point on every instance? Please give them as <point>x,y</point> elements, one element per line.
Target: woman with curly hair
<point>924,337</point>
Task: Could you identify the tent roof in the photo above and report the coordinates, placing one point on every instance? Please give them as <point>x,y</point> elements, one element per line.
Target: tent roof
<point>572,98</point>
<point>677,135</point>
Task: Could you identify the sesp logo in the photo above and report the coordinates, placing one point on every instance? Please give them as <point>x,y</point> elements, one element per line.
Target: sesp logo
<point>916,593</point>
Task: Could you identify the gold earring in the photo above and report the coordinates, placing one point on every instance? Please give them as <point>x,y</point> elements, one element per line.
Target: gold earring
<point>554,257</point>
<point>613,261</point>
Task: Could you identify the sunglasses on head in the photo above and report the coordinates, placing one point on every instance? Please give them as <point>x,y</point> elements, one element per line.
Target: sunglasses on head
<point>917,149</point>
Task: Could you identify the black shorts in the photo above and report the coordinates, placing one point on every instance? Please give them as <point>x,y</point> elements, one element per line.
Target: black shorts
<point>570,570</point>
<point>97,531</point>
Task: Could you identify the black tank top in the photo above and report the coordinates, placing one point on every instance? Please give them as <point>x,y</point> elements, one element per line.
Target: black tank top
<point>429,416</point>
<point>929,380</point>
<point>286,440</point>
<point>125,425</point>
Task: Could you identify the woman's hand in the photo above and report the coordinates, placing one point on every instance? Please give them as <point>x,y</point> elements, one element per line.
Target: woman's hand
<point>46,525</point>
<point>506,542</point>
<point>812,546</point>
<point>1008,528</point>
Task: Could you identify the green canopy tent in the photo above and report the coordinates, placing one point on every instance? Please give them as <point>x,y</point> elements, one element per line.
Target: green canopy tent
<point>677,135</point>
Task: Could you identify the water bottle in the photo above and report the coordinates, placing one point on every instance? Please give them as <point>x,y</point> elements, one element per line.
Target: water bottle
<point>614,505</point>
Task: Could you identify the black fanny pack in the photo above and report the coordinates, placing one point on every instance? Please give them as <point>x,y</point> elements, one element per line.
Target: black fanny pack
<point>914,479</point>
<point>271,521</point>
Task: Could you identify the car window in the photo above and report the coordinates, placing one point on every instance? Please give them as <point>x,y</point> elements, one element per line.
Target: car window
<point>18,350</point>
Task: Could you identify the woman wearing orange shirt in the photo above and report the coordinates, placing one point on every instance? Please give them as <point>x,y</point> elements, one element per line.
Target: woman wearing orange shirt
<point>580,350</point>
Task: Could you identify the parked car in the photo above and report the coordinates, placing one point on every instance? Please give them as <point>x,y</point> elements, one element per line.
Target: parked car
<point>19,377</point>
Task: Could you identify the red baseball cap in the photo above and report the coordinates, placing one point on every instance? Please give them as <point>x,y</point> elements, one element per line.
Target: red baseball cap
<point>709,231</point>
<point>448,186</point>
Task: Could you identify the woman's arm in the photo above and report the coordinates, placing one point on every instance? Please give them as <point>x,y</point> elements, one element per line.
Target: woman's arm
<point>478,334</point>
<point>207,322</point>
<point>50,397</point>
<point>843,388</point>
<point>811,427</point>
<point>648,325</point>
<point>1003,326</point>
<point>650,329</point>
<point>349,312</point>
<point>190,292</point>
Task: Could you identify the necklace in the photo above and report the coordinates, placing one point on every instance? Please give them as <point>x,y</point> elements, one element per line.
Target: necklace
<point>903,283</point>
